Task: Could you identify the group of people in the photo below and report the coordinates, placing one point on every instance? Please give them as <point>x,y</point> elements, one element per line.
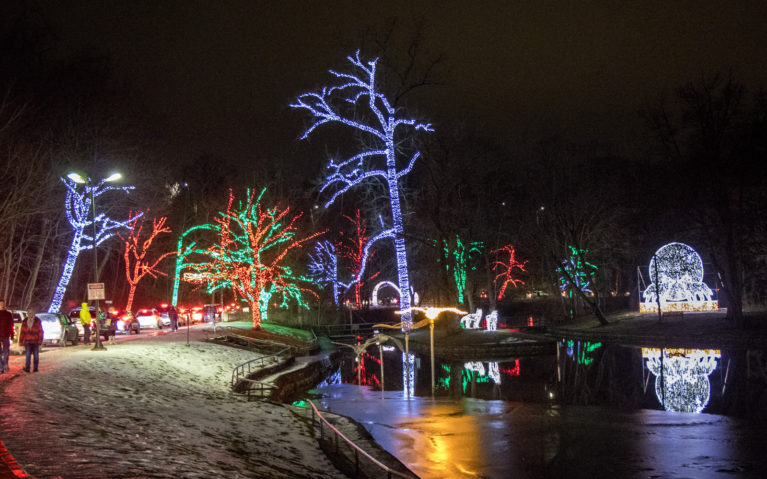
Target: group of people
<point>31,337</point>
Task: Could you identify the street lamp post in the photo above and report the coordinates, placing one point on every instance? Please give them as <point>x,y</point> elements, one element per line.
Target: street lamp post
<point>431,316</point>
<point>77,178</point>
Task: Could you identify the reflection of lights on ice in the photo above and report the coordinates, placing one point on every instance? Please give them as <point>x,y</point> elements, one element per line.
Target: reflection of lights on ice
<point>408,386</point>
<point>334,378</point>
<point>492,371</point>
<point>681,376</point>
<point>678,271</point>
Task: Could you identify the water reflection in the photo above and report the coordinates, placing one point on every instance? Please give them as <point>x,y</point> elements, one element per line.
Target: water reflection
<point>682,376</point>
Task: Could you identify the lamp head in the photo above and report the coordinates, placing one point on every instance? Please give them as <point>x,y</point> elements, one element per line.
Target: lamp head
<point>113,177</point>
<point>77,178</point>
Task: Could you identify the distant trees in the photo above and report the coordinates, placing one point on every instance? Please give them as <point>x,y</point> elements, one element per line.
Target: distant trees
<point>712,142</point>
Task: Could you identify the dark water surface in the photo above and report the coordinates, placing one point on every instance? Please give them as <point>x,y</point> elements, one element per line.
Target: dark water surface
<point>591,410</point>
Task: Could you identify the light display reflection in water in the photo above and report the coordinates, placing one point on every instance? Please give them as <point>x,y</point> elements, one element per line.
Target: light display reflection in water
<point>682,376</point>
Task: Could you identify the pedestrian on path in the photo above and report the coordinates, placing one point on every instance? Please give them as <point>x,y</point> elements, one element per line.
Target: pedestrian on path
<point>173,316</point>
<point>110,323</point>
<point>31,337</point>
<point>85,320</point>
<point>6,331</point>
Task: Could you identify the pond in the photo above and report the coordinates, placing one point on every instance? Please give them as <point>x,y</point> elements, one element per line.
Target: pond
<point>589,409</point>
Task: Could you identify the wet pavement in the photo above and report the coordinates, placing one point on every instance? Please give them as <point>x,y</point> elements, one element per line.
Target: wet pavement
<point>499,439</point>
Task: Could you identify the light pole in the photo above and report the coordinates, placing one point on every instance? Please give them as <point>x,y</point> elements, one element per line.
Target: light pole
<point>431,316</point>
<point>77,178</point>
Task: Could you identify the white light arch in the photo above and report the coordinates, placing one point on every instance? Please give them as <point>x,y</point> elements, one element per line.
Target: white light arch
<point>374,296</point>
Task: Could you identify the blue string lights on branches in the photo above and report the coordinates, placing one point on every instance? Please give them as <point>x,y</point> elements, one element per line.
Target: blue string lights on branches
<point>359,90</point>
<point>323,268</point>
<point>78,209</point>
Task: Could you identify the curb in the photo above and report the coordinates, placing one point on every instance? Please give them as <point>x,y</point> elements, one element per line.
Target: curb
<point>9,468</point>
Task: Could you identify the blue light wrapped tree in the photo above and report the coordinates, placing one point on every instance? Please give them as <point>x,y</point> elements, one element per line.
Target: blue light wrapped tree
<point>78,209</point>
<point>380,123</point>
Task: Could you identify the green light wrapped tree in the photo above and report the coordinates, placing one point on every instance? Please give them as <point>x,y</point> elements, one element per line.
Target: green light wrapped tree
<point>250,255</point>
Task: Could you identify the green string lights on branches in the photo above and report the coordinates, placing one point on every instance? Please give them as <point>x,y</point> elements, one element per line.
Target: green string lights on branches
<point>250,255</point>
<point>458,260</point>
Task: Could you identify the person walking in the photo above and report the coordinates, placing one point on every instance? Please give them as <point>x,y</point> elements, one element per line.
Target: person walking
<point>6,331</point>
<point>31,337</point>
<point>173,316</point>
<point>85,320</point>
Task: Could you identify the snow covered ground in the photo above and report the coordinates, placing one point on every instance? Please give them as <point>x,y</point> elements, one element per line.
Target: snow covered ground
<point>151,406</point>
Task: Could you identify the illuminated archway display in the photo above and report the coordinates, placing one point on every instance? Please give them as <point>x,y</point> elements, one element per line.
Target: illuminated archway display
<point>681,376</point>
<point>676,272</point>
<point>374,296</point>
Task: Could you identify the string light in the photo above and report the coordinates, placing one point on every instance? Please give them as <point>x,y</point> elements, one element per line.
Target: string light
<point>507,269</point>
<point>250,254</point>
<point>678,270</point>
<point>576,272</point>
<point>323,268</point>
<point>350,172</point>
<point>136,263</point>
<point>353,249</point>
<point>183,252</point>
<point>77,207</point>
<point>374,296</point>
<point>681,376</point>
<point>461,256</point>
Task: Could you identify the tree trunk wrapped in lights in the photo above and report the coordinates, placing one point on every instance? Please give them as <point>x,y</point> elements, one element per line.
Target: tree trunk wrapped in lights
<point>507,267</point>
<point>250,255</point>
<point>137,244</point>
<point>357,103</point>
<point>353,249</point>
<point>78,209</point>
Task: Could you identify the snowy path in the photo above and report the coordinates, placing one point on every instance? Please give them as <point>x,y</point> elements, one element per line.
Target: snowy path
<point>150,407</point>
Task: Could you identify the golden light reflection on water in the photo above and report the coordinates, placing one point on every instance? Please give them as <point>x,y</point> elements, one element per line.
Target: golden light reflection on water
<point>448,444</point>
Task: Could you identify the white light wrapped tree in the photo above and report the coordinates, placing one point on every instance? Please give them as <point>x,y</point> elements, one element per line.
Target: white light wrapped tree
<point>373,115</point>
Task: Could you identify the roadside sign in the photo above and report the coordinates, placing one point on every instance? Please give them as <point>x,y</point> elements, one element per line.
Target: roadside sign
<point>96,291</point>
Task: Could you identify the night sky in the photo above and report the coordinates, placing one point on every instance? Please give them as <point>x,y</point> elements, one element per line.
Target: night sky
<point>217,77</point>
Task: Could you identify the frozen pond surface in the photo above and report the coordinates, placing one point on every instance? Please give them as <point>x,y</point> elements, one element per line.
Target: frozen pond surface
<point>438,438</point>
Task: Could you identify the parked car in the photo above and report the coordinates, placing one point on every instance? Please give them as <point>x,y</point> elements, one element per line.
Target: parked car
<point>162,311</point>
<point>74,315</point>
<point>58,329</point>
<point>149,318</point>
<point>126,322</point>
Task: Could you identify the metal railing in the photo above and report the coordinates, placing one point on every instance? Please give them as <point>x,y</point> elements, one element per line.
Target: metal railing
<point>334,435</point>
<point>257,389</point>
<point>239,372</point>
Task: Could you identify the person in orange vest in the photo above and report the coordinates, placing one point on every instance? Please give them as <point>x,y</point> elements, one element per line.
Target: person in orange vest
<point>85,320</point>
<point>31,337</point>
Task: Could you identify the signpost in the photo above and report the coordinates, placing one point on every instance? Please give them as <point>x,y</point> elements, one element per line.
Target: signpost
<point>96,291</point>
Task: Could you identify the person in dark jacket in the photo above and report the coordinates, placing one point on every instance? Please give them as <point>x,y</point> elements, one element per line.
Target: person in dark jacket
<point>173,316</point>
<point>6,331</point>
<point>31,337</point>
